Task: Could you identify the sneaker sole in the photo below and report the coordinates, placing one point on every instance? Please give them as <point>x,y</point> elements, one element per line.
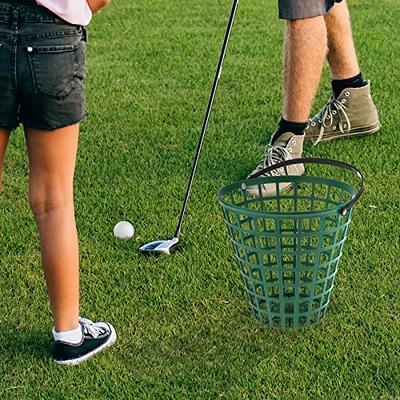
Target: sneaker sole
<point>109,343</point>
<point>333,136</point>
<point>256,193</point>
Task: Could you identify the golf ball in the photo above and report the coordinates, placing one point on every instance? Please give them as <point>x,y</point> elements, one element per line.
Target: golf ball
<point>124,230</point>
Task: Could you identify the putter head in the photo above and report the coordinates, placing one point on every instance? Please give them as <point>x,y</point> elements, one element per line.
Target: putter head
<point>162,247</point>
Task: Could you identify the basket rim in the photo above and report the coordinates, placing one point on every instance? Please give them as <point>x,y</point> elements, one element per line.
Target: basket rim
<point>280,179</point>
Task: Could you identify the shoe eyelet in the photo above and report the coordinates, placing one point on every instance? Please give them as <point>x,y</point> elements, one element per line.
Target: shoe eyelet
<point>334,112</point>
<point>328,117</point>
<point>344,101</point>
<point>308,127</point>
<point>334,127</point>
<point>313,124</point>
<point>290,150</point>
<point>294,142</point>
<point>347,94</point>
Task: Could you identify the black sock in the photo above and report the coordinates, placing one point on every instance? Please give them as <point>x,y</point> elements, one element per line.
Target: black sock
<point>338,85</point>
<point>287,126</point>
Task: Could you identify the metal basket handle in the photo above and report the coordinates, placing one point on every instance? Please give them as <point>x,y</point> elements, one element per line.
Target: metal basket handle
<point>345,209</point>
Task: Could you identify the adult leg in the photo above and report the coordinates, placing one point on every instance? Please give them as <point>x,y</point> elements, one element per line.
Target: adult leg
<point>351,112</point>
<point>305,52</point>
<point>342,57</point>
<point>52,157</point>
<point>4,135</point>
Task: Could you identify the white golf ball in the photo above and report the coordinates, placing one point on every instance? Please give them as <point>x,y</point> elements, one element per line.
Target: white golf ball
<point>124,230</point>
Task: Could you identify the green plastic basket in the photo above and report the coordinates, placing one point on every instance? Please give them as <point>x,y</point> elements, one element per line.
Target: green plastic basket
<point>289,246</point>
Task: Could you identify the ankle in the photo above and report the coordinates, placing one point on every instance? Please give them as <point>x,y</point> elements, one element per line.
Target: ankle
<point>288,126</point>
<point>356,81</point>
<point>72,336</point>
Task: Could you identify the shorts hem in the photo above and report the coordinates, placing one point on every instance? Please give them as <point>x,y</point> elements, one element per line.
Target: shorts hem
<point>293,17</point>
<point>316,10</point>
<point>9,127</point>
<point>55,126</point>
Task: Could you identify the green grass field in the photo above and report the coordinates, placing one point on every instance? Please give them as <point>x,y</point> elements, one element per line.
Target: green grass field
<point>184,328</point>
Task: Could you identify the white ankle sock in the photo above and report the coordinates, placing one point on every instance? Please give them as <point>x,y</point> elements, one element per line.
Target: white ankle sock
<point>74,336</point>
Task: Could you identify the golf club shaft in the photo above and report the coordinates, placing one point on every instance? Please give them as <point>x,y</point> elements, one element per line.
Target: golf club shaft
<point>207,116</point>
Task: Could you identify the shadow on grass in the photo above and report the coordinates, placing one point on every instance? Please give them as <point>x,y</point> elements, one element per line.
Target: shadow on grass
<point>26,342</point>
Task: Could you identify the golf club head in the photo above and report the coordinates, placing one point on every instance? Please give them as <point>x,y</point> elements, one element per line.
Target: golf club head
<point>162,247</point>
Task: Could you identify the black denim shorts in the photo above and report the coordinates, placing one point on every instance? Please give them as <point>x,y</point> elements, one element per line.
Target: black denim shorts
<point>299,9</point>
<point>42,68</point>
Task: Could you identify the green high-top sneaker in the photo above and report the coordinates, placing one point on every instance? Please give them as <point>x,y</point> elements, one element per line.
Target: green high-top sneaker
<point>353,113</point>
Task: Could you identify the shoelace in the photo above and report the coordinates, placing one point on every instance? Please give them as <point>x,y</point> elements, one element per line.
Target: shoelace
<point>273,155</point>
<point>89,328</point>
<point>333,107</point>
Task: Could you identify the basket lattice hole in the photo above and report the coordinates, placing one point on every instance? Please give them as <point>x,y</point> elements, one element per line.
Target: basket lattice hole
<point>287,225</point>
<point>288,261</point>
<point>256,274</point>
<point>304,306</point>
<point>271,277</point>
<point>307,260</point>
<point>319,290</point>
<point>331,223</point>
<point>289,291</point>
<point>305,291</point>
<point>321,192</point>
<point>289,308</point>
<point>273,292</point>
<point>270,260</point>
<point>260,290</point>
<point>253,258</point>
<point>250,241</point>
<point>246,223</point>
<point>240,252</point>
<point>288,243</point>
<point>250,285</point>
<point>322,273</point>
<point>316,304</point>
<point>327,241</point>
<point>306,276</point>
<point>271,242</point>
<point>324,258</point>
<point>288,277</point>
<point>335,195</point>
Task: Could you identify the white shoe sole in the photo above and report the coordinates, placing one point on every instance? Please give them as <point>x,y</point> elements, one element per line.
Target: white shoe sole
<point>334,136</point>
<point>109,343</point>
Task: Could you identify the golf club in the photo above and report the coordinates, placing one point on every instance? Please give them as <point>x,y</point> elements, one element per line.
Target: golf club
<point>167,246</point>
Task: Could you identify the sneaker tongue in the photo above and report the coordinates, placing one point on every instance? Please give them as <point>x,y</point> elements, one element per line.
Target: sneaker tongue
<point>283,139</point>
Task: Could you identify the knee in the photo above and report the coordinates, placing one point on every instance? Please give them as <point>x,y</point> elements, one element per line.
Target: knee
<point>45,200</point>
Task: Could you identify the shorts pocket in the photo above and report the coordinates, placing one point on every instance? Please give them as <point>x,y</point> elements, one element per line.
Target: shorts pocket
<point>56,70</point>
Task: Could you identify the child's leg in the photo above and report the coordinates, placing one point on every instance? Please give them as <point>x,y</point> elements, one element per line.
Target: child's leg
<point>52,156</point>
<point>4,135</point>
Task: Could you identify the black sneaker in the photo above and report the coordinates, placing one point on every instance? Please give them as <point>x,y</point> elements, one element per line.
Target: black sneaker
<point>96,337</point>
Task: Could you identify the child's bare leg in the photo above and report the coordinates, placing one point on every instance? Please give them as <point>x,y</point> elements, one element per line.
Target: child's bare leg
<point>4,135</point>
<point>52,157</point>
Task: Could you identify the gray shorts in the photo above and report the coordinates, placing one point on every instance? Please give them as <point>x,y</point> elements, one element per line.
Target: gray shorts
<point>299,9</point>
<point>42,68</point>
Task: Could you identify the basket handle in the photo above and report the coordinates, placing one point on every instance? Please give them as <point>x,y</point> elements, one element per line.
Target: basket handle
<point>345,209</point>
